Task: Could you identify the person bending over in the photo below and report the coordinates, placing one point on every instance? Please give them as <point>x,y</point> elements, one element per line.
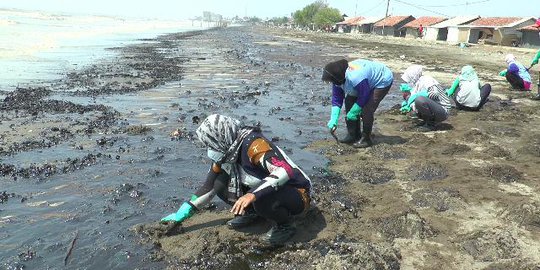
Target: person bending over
<point>250,173</point>
<point>424,96</point>
<point>516,74</point>
<point>362,84</point>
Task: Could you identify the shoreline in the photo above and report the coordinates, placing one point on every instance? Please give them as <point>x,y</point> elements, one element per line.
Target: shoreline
<point>460,198</point>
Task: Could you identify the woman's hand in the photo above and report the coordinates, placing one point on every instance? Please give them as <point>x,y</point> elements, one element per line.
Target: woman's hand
<point>242,203</point>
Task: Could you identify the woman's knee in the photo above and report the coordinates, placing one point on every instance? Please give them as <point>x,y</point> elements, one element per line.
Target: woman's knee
<point>221,184</point>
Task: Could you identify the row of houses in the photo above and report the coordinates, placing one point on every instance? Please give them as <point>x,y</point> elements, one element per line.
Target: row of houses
<point>508,31</point>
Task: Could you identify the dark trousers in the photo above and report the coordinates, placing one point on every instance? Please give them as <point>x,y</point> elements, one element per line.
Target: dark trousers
<point>429,110</point>
<point>280,205</point>
<point>277,206</point>
<point>515,81</point>
<point>484,94</point>
<point>368,112</point>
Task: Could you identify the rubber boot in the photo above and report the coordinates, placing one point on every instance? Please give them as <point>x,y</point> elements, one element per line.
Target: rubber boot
<point>241,221</point>
<point>537,97</point>
<point>365,141</point>
<point>279,234</point>
<point>353,132</point>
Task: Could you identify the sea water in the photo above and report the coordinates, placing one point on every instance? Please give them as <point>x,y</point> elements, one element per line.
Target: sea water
<point>36,47</point>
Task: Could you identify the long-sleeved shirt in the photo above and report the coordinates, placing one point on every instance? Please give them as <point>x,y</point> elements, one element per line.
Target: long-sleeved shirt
<point>520,70</point>
<point>361,79</point>
<point>469,92</point>
<point>264,168</point>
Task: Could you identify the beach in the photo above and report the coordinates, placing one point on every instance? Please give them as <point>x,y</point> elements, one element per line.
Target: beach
<point>90,156</point>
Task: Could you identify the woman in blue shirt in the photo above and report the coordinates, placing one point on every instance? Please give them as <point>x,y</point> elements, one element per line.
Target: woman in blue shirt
<point>362,84</point>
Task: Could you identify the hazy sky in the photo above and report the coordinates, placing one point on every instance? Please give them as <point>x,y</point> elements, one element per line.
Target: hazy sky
<point>178,9</point>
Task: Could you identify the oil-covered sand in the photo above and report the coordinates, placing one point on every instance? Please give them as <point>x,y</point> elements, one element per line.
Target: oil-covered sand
<point>463,197</point>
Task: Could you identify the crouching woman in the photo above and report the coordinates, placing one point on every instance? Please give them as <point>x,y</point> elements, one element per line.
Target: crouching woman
<point>253,175</point>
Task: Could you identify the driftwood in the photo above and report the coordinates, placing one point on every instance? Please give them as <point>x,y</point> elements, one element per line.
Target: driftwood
<point>71,247</point>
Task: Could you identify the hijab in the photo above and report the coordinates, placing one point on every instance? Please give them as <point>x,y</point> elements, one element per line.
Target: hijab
<point>223,135</point>
<point>468,74</point>
<point>412,74</point>
<point>335,72</point>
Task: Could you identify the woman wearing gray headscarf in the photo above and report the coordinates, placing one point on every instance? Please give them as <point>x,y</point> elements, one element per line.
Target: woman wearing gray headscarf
<point>250,173</point>
<point>424,95</point>
<point>468,93</point>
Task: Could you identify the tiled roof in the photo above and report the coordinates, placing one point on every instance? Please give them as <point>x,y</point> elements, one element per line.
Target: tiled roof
<point>532,27</point>
<point>496,21</point>
<point>392,21</point>
<point>455,21</point>
<point>370,20</point>
<point>351,21</point>
<point>424,21</point>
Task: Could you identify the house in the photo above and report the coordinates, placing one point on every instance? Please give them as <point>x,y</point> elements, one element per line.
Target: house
<point>412,28</point>
<point>366,25</point>
<point>497,30</point>
<point>530,36</point>
<point>347,25</point>
<point>392,26</point>
<point>448,30</point>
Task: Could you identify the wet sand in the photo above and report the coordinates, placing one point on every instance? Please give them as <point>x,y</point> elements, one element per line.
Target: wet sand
<point>464,197</point>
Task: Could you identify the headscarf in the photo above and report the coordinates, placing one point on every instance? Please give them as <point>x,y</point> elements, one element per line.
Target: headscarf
<point>335,72</point>
<point>510,58</point>
<point>468,74</point>
<point>223,136</point>
<point>412,74</point>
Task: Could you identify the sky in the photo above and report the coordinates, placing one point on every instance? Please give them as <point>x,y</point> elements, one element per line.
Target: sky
<point>184,9</point>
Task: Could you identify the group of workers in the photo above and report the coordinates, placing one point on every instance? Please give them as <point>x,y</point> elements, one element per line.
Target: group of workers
<point>259,180</point>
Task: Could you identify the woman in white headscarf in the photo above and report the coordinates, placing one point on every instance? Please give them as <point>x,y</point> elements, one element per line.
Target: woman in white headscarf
<point>468,93</point>
<point>516,74</point>
<point>252,174</point>
<point>425,96</point>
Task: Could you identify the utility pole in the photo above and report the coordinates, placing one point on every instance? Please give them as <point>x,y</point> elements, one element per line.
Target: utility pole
<point>386,15</point>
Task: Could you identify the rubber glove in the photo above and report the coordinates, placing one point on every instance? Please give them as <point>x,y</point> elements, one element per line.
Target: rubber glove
<point>405,87</point>
<point>450,92</point>
<point>334,116</point>
<point>354,112</point>
<point>405,109</point>
<point>185,211</point>
<point>536,58</point>
<point>415,95</point>
<point>404,103</point>
<point>503,73</point>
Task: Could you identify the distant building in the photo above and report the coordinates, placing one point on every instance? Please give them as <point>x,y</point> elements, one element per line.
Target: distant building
<point>497,30</point>
<point>347,25</point>
<point>392,26</point>
<point>448,30</point>
<point>366,25</point>
<point>530,36</point>
<point>412,28</point>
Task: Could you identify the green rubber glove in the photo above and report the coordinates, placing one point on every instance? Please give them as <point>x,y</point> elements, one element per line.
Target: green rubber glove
<point>450,92</point>
<point>536,58</point>
<point>185,211</point>
<point>354,112</point>
<point>413,97</point>
<point>334,116</point>
<point>405,109</point>
<point>503,73</point>
<point>405,87</point>
<point>404,103</point>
